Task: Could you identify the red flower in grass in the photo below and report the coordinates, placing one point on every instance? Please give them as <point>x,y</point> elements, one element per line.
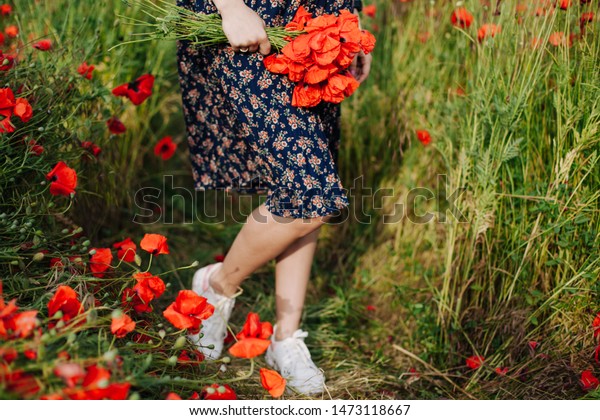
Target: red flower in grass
<point>36,148</point>
<point>20,324</point>
<point>424,137</point>
<point>115,126</point>
<point>173,396</point>
<point>218,392</point>
<point>63,179</point>
<point>148,287</point>
<point>370,10</point>
<point>6,61</point>
<point>100,261</point>
<point>272,382</point>
<point>11,31</point>
<point>588,381</point>
<point>154,243</point>
<point>596,325</point>
<point>85,70</point>
<point>94,386</point>
<point>488,30</point>
<point>65,300</point>
<point>165,148</point>
<point>122,325</point>
<point>5,9</point>
<point>43,45</point>
<point>253,339</point>
<point>9,354</point>
<point>91,147</point>
<point>187,358</point>
<point>461,18</point>
<point>475,362</point>
<point>18,382</point>
<point>564,4</point>
<point>130,299</point>
<point>137,91</point>
<point>502,371</point>
<point>188,311</point>
<point>23,109</point>
<point>126,250</point>
<point>558,39</point>
<point>70,373</point>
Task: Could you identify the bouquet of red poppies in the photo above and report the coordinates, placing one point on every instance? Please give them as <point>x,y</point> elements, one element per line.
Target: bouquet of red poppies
<point>314,52</point>
<point>318,59</point>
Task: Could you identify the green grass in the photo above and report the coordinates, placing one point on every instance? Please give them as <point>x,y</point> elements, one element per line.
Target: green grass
<point>521,144</point>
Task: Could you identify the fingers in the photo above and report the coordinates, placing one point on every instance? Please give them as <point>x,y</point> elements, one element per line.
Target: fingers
<point>265,46</point>
<point>365,68</point>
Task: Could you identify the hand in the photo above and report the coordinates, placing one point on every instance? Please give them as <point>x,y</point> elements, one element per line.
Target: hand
<point>361,66</point>
<point>243,27</point>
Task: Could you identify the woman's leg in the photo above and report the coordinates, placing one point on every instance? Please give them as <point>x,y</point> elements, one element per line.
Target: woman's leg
<point>292,273</point>
<point>264,237</point>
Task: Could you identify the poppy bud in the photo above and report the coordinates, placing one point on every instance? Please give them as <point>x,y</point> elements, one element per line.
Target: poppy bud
<point>226,359</point>
<point>86,242</point>
<point>39,256</point>
<point>179,343</point>
<point>162,333</point>
<point>58,315</point>
<point>210,390</point>
<point>195,264</point>
<point>110,355</point>
<point>211,346</point>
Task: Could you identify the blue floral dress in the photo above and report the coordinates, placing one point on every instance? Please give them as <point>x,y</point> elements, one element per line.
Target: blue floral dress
<point>242,130</point>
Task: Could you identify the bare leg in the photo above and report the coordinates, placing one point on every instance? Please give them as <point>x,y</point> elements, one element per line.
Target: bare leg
<point>292,273</point>
<point>263,238</point>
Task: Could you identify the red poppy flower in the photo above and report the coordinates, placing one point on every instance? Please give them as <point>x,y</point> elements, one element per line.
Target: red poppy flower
<point>424,136</point>
<point>100,261</point>
<point>126,250</point>
<point>306,95</point>
<point>91,147</point>
<point>115,126</point>
<point>30,354</point>
<point>148,286</point>
<point>367,42</point>
<point>564,4</point>
<point>254,328</point>
<point>253,339</point>
<point>219,258</point>
<point>300,19</point>
<point>71,373</point>
<point>165,148</point>
<point>475,362</point>
<point>502,371</point>
<point>195,357</point>
<point>85,70</point>
<point>277,63</point>
<point>173,396</point>
<point>588,381</point>
<point>137,91</point>
<point>65,300</point>
<point>22,323</point>
<point>6,61</point>
<point>130,299</point>
<point>154,243</point>
<point>36,148</point>
<point>188,311</point>
<point>338,87</point>
<point>11,31</point>
<point>533,345</point>
<point>596,325</point>
<point>23,109</point>
<point>5,9</point>
<point>461,18</point>
<point>9,354</point>
<point>488,30</point>
<point>218,392</point>
<point>63,179</point>
<point>43,45</point>
<point>122,325</point>
<point>557,39</point>
<point>272,382</point>
<point>370,10</point>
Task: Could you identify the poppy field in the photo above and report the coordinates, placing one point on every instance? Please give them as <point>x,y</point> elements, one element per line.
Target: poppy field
<point>483,114</point>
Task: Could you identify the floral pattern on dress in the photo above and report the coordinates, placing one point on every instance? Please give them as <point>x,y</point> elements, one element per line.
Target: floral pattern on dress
<point>242,130</point>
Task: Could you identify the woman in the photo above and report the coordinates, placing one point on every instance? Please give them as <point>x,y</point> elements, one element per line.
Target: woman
<point>244,134</point>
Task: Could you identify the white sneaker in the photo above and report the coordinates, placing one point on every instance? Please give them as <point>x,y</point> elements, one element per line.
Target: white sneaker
<point>214,329</point>
<point>292,359</point>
